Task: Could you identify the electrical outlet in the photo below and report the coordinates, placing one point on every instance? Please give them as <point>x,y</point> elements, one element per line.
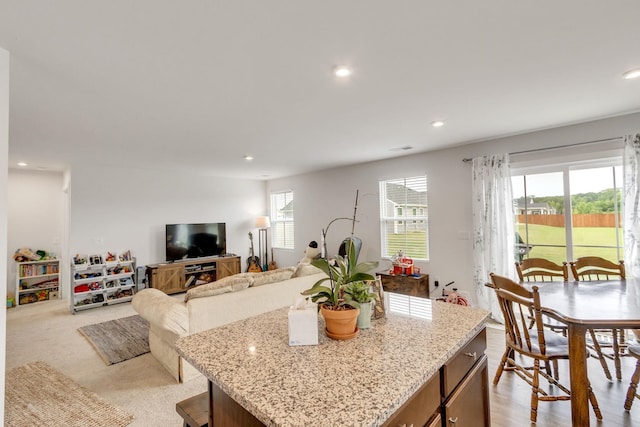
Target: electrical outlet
<point>436,282</point>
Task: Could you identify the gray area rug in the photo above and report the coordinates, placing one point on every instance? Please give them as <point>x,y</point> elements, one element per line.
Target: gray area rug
<point>39,395</point>
<point>118,340</point>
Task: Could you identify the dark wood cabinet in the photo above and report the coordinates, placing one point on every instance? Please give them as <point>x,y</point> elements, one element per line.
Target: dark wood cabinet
<point>456,396</point>
<point>465,386</point>
<point>417,286</point>
<point>468,405</point>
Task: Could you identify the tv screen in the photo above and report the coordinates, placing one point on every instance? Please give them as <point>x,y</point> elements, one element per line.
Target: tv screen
<point>195,240</point>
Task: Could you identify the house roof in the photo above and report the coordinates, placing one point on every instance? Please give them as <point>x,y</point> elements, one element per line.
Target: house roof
<point>401,195</point>
<point>195,86</point>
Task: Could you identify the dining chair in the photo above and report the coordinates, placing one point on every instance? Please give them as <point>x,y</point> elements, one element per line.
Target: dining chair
<point>543,270</point>
<point>591,268</point>
<point>632,392</point>
<point>535,343</point>
<point>596,268</point>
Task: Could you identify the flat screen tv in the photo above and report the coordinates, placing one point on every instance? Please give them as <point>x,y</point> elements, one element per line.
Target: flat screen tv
<point>195,240</point>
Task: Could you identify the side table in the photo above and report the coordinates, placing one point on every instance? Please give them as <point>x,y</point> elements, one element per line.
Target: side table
<point>417,286</point>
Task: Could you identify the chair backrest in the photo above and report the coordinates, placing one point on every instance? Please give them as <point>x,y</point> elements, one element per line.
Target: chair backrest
<point>541,270</point>
<point>522,316</point>
<point>596,268</point>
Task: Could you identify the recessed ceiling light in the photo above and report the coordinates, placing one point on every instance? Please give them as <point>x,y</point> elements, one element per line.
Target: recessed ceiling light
<point>632,74</point>
<point>342,71</point>
<point>23,164</point>
<point>248,157</point>
<point>437,123</point>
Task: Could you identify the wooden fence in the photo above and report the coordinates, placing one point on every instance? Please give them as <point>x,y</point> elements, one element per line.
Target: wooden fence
<point>579,220</point>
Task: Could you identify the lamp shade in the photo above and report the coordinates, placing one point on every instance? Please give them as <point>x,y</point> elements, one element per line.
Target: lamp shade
<point>263,222</point>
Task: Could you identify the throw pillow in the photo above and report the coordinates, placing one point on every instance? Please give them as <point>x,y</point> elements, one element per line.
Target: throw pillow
<point>272,276</point>
<point>226,284</point>
<point>305,270</point>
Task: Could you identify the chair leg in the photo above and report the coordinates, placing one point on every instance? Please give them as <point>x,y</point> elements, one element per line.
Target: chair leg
<point>534,390</point>
<point>503,362</point>
<point>598,351</point>
<point>631,392</point>
<point>594,404</point>
<point>616,353</point>
<point>555,369</point>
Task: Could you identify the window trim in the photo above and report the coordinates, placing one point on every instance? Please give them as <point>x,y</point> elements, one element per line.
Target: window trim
<point>289,243</point>
<point>400,219</point>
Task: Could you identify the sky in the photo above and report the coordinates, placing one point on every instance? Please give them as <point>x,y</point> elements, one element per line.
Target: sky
<point>581,181</point>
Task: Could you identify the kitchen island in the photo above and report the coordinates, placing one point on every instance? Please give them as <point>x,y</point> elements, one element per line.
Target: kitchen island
<point>405,369</point>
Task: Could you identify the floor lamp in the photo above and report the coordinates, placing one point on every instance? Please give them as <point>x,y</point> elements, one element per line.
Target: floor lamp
<point>262,223</point>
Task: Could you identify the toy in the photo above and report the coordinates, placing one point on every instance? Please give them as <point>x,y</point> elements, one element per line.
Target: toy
<point>25,254</point>
<point>453,297</point>
<point>312,252</point>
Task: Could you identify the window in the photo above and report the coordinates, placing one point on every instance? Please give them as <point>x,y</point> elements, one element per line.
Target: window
<point>570,212</point>
<point>282,220</point>
<point>403,217</point>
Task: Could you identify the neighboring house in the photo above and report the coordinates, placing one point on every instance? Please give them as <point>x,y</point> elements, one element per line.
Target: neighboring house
<point>533,208</point>
<point>286,212</point>
<point>406,203</point>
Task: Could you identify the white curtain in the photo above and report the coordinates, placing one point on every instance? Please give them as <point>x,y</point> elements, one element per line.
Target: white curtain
<point>493,226</point>
<point>632,204</point>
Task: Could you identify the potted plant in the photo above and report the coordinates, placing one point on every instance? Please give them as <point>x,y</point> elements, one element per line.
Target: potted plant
<point>361,295</point>
<point>332,298</point>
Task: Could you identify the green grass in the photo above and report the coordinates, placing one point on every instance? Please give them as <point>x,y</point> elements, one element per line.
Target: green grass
<point>538,235</point>
<point>396,242</point>
<point>592,236</point>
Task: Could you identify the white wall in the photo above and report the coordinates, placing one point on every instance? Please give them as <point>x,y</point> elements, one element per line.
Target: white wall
<point>4,150</point>
<point>35,214</point>
<point>322,196</point>
<point>115,209</point>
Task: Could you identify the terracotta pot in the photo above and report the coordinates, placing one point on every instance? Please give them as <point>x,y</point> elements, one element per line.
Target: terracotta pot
<point>340,324</point>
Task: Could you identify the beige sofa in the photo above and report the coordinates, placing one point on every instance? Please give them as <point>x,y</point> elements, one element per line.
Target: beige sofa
<point>227,300</point>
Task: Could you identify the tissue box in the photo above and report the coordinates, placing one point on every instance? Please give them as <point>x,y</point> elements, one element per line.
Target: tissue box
<point>303,325</point>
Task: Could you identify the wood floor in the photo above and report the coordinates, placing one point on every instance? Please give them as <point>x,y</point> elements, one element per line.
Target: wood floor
<point>510,399</point>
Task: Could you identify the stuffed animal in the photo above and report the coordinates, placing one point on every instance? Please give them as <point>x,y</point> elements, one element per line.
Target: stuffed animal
<point>312,252</point>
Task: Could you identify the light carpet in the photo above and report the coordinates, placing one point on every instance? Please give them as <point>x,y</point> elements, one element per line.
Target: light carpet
<point>120,339</point>
<point>39,395</point>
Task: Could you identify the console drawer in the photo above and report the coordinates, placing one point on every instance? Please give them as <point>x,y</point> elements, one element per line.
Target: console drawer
<point>457,367</point>
<point>420,408</point>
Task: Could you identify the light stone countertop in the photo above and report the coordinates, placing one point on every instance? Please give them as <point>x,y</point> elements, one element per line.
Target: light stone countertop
<point>358,382</point>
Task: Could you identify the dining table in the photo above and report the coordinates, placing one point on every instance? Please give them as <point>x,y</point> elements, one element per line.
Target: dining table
<point>583,305</point>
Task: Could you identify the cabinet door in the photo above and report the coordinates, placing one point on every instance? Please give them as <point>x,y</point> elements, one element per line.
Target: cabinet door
<point>227,267</point>
<point>469,403</point>
<point>436,421</point>
<point>420,407</point>
<point>168,278</point>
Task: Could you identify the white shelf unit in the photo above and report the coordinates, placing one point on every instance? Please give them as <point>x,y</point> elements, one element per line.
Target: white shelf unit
<point>96,282</point>
<point>37,281</point>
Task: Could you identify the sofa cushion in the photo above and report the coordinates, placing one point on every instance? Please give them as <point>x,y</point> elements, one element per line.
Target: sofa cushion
<point>207,313</point>
<point>165,312</point>
<point>226,284</point>
<point>272,276</point>
<point>304,269</point>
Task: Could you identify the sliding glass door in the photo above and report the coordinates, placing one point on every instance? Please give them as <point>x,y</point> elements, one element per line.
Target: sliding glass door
<point>572,211</point>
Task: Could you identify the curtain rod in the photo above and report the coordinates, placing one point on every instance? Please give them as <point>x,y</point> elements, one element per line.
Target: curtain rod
<point>533,150</point>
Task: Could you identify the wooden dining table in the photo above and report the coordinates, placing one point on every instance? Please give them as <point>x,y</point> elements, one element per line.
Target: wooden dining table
<point>583,305</point>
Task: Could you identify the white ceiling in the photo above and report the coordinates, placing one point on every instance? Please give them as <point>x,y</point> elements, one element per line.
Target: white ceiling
<point>196,85</point>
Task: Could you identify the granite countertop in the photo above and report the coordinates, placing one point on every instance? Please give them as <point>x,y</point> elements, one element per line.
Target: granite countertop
<point>358,382</point>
